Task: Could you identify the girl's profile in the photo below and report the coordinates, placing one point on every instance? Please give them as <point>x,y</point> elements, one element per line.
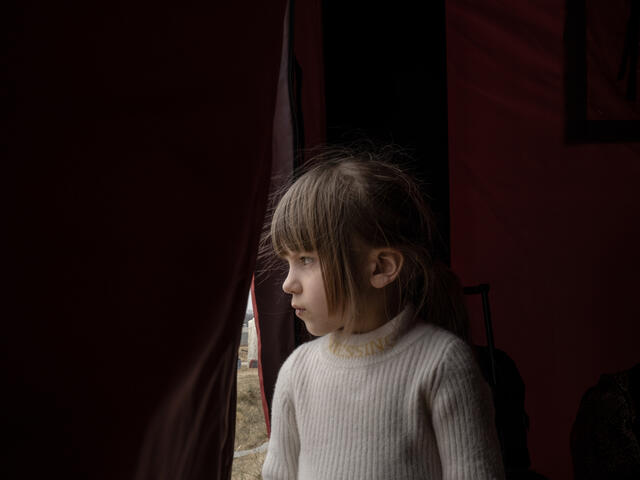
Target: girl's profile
<point>390,389</point>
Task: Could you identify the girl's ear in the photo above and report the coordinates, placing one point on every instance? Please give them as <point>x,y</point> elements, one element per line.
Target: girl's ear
<point>384,266</point>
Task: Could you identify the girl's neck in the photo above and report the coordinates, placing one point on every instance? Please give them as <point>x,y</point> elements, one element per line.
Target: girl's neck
<point>377,309</point>
<point>373,342</point>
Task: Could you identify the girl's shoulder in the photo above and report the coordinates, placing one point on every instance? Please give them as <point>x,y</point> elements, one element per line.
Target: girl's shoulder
<point>445,362</point>
<point>438,343</point>
<point>435,334</point>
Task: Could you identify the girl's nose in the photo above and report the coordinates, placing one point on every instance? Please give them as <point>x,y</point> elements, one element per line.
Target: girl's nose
<point>290,284</point>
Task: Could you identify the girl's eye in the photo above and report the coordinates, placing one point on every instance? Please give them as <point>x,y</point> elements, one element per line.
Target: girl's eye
<point>306,260</point>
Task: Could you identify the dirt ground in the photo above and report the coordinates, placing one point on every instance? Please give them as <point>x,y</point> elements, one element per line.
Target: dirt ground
<point>251,431</point>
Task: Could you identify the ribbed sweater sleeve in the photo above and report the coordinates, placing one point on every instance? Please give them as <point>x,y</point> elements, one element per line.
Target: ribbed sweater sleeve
<point>463,418</point>
<point>281,462</point>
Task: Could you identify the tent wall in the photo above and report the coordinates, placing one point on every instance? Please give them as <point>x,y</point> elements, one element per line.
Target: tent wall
<point>139,156</point>
<point>552,226</point>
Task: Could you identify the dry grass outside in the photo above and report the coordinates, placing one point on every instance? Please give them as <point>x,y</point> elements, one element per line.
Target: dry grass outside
<point>249,467</point>
<point>251,431</point>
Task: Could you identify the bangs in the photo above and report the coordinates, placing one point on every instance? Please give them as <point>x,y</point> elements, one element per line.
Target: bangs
<point>295,226</point>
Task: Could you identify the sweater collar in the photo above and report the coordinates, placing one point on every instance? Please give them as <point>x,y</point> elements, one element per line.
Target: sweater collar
<point>372,343</point>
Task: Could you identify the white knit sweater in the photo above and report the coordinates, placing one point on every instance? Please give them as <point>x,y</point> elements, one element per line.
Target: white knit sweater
<point>401,402</point>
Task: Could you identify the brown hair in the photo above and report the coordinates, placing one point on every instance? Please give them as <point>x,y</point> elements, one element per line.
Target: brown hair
<point>345,198</point>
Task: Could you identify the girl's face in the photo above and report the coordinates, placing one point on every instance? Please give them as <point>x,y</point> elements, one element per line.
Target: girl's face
<point>306,286</point>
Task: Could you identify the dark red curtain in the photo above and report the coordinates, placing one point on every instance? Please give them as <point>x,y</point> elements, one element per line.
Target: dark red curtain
<point>553,227</point>
<point>299,125</point>
<point>140,140</point>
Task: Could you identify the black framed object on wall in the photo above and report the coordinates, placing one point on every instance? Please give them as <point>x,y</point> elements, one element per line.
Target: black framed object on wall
<point>602,84</point>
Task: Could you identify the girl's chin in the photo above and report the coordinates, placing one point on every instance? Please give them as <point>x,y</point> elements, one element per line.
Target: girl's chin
<point>310,328</point>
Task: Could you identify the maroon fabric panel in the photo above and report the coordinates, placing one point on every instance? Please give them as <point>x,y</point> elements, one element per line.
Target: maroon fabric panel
<point>553,228</point>
<point>265,405</point>
<point>273,313</point>
<point>309,52</point>
<point>275,320</point>
<point>140,154</point>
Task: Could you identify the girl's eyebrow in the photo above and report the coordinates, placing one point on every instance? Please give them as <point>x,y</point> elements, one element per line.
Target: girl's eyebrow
<point>305,254</point>
<point>286,255</point>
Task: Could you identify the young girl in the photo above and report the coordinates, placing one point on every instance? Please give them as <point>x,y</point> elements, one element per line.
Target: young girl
<point>388,391</point>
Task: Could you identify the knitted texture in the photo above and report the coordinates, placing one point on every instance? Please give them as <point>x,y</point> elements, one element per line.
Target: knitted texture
<point>401,402</point>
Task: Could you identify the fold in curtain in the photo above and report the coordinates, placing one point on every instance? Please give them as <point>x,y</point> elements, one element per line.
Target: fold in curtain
<point>273,315</point>
<point>299,125</point>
